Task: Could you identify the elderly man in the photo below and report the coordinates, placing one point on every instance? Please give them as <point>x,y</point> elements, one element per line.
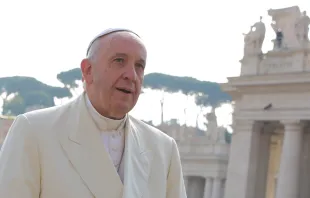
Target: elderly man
<point>91,147</point>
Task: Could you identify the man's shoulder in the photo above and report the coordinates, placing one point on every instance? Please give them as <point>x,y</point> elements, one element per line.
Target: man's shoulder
<point>49,114</point>
<point>155,140</point>
<point>151,131</point>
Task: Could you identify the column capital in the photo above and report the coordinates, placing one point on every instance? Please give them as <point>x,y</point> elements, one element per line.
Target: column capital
<point>292,124</point>
<point>218,179</point>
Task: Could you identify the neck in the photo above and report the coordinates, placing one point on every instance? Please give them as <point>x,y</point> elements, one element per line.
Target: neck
<point>103,112</point>
<point>104,123</point>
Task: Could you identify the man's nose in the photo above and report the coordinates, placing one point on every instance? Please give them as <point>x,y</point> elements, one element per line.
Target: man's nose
<point>130,73</point>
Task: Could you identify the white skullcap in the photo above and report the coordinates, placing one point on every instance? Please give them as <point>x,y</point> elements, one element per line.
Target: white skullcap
<point>106,32</point>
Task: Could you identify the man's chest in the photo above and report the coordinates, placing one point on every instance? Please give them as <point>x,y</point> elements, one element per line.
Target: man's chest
<point>114,144</point>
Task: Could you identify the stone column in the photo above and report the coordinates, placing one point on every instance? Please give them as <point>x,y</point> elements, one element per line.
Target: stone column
<point>263,161</point>
<point>288,179</point>
<point>208,188</point>
<point>243,160</point>
<point>216,189</point>
<point>305,167</point>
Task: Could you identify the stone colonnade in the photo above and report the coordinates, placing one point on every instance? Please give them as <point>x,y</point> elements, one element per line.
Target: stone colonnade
<point>209,187</point>
<point>248,161</point>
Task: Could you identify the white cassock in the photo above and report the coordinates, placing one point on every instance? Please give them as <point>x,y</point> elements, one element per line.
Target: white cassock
<point>113,137</point>
<point>71,151</point>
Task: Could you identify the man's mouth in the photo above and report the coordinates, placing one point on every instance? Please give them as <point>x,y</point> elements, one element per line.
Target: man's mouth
<point>124,90</point>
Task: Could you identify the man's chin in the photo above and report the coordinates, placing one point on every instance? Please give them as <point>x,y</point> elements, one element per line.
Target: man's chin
<point>123,108</point>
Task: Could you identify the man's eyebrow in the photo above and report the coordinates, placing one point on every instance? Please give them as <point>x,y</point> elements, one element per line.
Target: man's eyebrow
<point>120,54</point>
<point>142,60</point>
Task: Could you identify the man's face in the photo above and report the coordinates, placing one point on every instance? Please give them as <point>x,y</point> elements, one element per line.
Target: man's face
<point>114,74</point>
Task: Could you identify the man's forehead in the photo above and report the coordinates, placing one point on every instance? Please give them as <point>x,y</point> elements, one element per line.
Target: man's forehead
<point>107,32</point>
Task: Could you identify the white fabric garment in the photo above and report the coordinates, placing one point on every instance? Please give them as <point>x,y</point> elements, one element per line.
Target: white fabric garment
<point>113,136</point>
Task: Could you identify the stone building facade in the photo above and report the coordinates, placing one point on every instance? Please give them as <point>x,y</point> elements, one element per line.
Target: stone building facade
<point>270,149</point>
<point>204,157</point>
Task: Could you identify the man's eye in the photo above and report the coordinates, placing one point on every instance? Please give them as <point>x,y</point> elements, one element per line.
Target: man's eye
<point>119,60</point>
<point>140,65</point>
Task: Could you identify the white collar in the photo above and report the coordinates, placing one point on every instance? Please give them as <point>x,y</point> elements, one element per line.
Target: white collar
<point>102,122</point>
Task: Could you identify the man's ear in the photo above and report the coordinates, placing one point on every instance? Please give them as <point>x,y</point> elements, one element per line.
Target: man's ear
<point>86,70</point>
